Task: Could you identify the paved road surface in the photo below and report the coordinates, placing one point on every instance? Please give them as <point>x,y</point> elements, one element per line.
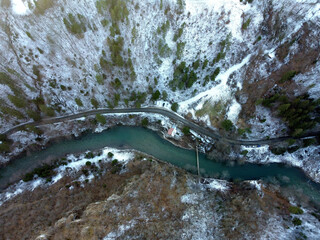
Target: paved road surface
<point>165,112</point>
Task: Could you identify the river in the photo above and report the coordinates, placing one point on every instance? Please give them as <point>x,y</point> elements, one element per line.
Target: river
<point>151,143</point>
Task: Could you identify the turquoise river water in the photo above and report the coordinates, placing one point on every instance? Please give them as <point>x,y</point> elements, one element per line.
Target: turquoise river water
<point>151,143</point>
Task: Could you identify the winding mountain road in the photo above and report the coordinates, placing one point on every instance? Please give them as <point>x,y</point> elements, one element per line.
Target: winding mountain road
<point>155,110</point>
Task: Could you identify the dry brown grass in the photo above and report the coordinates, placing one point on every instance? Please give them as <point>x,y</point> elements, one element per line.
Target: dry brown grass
<point>256,87</point>
<point>144,197</point>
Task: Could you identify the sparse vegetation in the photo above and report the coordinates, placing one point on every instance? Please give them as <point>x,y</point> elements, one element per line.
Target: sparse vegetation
<point>215,74</point>
<point>241,131</point>
<point>99,79</point>
<point>164,95</point>
<point>175,106</point>
<point>29,35</point>
<point>295,210</point>
<point>180,6</point>
<point>5,3</point>
<point>31,128</point>
<point>287,76</point>
<point>104,22</point>
<point>244,152</point>
<point>11,112</point>
<point>116,83</point>
<point>196,64</point>
<point>309,141</point>
<point>164,28</point>
<point>215,111</point>
<point>114,30</point>
<point>75,24</point>
<point>117,9</point>
<point>4,147</point>
<point>134,33</point>
<point>186,130</point>
<point>139,98</point>
<point>278,150</point>
<point>205,64</point>
<point>178,33</point>
<point>116,166</point>
<point>45,171</point>
<point>296,112</point>
<point>36,71</point>
<point>17,101</point>
<point>7,80</point>
<point>291,141</point>
<point>156,95</point>
<point>79,102</point>
<point>89,155</point>
<point>246,24</point>
<point>145,122</point>
<point>114,162</point>
<point>34,115</point>
<point>258,39</point>
<point>180,49</point>
<point>296,221</point>
<point>49,111</point>
<point>94,103</point>
<point>227,125</point>
<point>116,46</point>
<point>163,49</point>
<point>43,5</point>
<point>101,119</point>
<point>183,77</point>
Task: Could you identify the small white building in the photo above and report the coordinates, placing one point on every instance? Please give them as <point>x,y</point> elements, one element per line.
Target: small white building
<point>172,131</point>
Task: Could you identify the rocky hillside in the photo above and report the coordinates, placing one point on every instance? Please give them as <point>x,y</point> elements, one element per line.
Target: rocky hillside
<point>147,199</point>
<point>216,59</point>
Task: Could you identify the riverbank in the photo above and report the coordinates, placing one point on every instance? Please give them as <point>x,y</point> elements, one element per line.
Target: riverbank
<point>54,133</point>
<point>147,141</point>
<point>95,200</point>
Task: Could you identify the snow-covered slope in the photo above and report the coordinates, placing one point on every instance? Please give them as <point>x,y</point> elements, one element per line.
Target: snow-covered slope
<point>70,64</point>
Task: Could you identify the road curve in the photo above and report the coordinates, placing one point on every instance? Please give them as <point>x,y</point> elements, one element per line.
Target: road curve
<point>157,110</point>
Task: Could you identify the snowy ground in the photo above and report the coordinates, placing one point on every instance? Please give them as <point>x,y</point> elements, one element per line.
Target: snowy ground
<point>305,158</point>
<point>73,61</point>
<point>264,125</point>
<point>221,92</point>
<point>75,164</point>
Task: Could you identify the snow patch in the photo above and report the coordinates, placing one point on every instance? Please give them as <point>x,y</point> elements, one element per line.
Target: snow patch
<point>264,124</point>
<point>216,184</point>
<point>220,92</point>
<point>234,111</point>
<point>121,230</point>
<point>221,6</point>
<point>256,184</point>
<point>20,7</point>
<point>191,198</point>
<point>75,165</point>
<point>305,158</point>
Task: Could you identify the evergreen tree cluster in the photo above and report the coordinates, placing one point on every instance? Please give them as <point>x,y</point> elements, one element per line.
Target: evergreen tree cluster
<point>300,113</point>
<point>183,77</point>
